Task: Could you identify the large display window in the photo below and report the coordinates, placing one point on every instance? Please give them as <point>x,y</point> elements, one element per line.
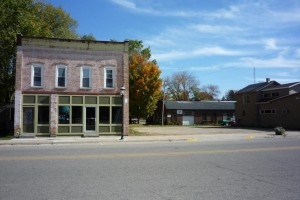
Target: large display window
<point>36,114</point>
<point>89,114</point>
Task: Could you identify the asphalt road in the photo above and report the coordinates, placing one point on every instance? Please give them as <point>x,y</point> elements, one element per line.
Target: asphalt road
<point>249,169</point>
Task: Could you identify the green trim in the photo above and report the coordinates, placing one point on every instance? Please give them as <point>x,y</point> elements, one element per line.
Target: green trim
<point>88,101</point>
<point>34,101</point>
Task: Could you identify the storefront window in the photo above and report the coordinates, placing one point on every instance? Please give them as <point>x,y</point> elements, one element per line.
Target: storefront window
<point>64,114</point>
<point>104,115</point>
<point>76,114</point>
<point>43,114</point>
<point>116,115</point>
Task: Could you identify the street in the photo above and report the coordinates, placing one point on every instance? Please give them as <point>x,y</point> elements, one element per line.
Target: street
<point>247,169</point>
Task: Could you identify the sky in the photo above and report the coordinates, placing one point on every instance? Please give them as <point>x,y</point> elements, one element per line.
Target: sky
<point>228,43</point>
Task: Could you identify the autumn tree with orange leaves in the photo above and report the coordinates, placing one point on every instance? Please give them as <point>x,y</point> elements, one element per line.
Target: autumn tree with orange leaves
<point>144,81</point>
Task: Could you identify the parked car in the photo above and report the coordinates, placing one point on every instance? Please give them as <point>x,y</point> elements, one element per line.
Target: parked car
<point>227,122</point>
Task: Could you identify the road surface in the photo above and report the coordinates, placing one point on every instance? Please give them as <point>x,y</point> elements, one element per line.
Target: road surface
<point>247,169</point>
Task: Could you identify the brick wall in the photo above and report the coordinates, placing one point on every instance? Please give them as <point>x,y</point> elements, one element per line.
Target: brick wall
<point>73,54</point>
<point>73,59</point>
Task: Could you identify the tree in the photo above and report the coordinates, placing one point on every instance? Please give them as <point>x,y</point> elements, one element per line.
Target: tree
<point>28,17</point>
<point>182,86</point>
<point>137,47</point>
<point>201,95</point>
<point>211,91</point>
<point>144,81</point>
<point>88,37</point>
<point>230,95</point>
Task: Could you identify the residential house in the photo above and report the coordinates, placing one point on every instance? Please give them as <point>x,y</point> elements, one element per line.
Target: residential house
<point>269,104</point>
<point>194,112</point>
<point>70,87</point>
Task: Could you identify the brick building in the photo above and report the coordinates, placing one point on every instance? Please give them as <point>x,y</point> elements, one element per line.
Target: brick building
<point>70,87</point>
<point>269,104</point>
<point>194,112</point>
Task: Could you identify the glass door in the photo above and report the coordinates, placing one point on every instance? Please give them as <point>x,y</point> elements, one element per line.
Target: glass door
<point>28,119</point>
<point>90,119</point>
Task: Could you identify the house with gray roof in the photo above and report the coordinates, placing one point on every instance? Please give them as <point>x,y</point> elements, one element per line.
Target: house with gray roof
<point>194,112</point>
<point>269,104</point>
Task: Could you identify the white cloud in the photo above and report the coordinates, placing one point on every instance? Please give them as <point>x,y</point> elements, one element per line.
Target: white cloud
<point>211,51</point>
<point>297,53</point>
<point>205,51</point>
<point>290,16</point>
<point>270,44</point>
<point>277,62</point>
<point>125,3</point>
<point>229,13</point>
<point>130,5</point>
<point>216,29</point>
<point>148,9</point>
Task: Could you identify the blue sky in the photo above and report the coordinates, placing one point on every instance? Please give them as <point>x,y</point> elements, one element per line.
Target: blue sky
<point>220,42</point>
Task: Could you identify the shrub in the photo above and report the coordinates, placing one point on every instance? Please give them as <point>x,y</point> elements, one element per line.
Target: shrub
<point>279,130</point>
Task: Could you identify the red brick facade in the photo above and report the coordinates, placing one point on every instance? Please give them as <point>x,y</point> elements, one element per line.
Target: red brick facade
<point>74,54</point>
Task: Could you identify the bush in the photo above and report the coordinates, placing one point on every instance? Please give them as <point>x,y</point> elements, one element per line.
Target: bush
<point>279,130</point>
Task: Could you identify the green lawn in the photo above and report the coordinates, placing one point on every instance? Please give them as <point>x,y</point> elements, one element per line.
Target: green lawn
<point>7,137</point>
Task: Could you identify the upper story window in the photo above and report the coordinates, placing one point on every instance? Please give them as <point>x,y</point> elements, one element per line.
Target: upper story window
<point>61,76</point>
<point>109,77</point>
<point>37,75</point>
<point>85,77</point>
<point>275,94</point>
<point>268,111</point>
<point>271,95</point>
<point>246,99</point>
<point>267,95</point>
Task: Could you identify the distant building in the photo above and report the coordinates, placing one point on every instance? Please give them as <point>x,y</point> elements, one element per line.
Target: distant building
<point>194,112</point>
<point>70,87</point>
<point>269,104</point>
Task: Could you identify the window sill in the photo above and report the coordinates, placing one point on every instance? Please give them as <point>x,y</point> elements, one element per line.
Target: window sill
<point>85,88</point>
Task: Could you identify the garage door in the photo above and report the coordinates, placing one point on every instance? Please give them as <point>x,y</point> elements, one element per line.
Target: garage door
<point>188,120</point>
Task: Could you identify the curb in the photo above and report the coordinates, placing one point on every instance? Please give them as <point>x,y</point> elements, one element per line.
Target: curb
<point>135,139</point>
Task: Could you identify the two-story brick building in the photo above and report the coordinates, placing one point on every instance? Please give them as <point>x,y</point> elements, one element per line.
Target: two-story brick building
<point>70,87</point>
<point>269,104</point>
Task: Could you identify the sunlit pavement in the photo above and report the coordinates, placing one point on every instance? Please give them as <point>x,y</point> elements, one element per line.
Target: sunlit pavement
<point>160,134</point>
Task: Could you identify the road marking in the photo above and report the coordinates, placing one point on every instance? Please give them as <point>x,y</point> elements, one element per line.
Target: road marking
<point>249,137</point>
<point>191,139</point>
<point>150,154</point>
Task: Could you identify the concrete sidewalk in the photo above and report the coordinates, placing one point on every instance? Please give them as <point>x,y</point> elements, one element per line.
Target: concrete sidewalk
<point>150,138</point>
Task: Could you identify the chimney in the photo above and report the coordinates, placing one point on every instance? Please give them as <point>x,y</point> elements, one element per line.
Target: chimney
<point>267,80</point>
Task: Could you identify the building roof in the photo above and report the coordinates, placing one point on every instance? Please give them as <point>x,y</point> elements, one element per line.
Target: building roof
<point>280,98</point>
<point>92,45</point>
<point>257,87</point>
<point>200,105</point>
<point>283,86</point>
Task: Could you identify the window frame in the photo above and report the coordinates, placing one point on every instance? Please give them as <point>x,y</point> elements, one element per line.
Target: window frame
<point>112,68</point>
<point>270,111</point>
<point>61,66</point>
<point>33,66</point>
<point>246,99</point>
<point>81,77</point>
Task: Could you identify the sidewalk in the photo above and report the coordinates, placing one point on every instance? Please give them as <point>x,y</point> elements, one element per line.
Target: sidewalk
<point>151,138</point>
